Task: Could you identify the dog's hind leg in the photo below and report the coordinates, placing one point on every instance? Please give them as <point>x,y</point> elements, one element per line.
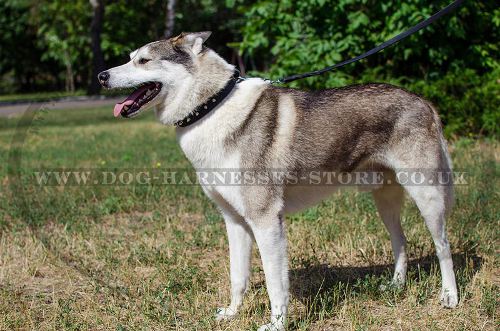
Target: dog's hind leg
<point>389,200</point>
<point>423,149</point>
<point>432,202</point>
<point>240,250</point>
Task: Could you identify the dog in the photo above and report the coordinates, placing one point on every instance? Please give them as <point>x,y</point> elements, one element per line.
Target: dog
<point>252,124</point>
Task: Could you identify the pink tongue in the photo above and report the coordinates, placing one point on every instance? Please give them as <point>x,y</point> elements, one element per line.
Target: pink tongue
<point>129,101</point>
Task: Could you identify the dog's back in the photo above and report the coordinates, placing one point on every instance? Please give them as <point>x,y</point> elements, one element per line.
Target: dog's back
<point>341,129</point>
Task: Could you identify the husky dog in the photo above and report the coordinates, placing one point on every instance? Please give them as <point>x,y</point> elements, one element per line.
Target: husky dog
<point>255,125</point>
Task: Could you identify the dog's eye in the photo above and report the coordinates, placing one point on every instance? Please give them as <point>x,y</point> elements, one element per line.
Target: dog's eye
<point>144,61</point>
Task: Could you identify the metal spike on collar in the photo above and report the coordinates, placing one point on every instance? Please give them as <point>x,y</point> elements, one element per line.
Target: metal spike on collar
<point>214,101</point>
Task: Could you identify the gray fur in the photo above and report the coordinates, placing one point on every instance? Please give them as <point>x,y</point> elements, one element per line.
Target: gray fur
<point>340,129</point>
<point>167,50</point>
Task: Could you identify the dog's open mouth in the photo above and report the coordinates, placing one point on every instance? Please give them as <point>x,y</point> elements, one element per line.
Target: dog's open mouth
<point>131,106</point>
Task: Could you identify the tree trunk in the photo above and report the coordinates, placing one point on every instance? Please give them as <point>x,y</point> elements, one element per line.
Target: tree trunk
<point>170,19</point>
<point>70,79</point>
<point>95,42</point>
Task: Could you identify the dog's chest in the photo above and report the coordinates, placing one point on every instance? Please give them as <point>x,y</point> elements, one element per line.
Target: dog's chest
<point>206,150</point>
<point>210,159</point>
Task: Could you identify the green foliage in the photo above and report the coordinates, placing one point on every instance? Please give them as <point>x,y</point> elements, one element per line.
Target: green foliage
<point>296,36</point>
<point>62,32</point>
<point>51,39</point>
<point>129,25</point>
<point>18,56</point>
<point>468,102</point>
<point>292,37</point>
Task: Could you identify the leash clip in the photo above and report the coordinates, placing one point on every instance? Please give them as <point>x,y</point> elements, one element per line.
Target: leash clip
<point>270,81</point>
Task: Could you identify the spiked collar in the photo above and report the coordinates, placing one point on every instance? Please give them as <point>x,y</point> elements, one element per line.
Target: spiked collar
<point>212,102</point>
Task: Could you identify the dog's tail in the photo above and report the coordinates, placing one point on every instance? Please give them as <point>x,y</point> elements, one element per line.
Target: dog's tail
<point>446,163</point>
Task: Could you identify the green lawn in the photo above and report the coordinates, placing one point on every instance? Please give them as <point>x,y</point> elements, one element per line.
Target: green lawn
<point>39,96</point>
<point>156,257</point>
<point>52,95</point>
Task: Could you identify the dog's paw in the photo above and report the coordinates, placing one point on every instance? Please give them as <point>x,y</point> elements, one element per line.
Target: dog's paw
<point>272,327</point>
<point>223,314</point>
<point>449,299</point>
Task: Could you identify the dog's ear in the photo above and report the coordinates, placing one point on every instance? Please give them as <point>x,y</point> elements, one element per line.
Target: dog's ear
<point>133,54</point>
<point>192,40</point>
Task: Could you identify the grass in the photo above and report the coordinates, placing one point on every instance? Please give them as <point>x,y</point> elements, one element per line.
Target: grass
<point>156,257</point>
<point>39,96</point>
<point>50,95</point>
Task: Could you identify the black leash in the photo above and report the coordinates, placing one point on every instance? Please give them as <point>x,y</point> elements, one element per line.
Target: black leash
<point>451,7</point>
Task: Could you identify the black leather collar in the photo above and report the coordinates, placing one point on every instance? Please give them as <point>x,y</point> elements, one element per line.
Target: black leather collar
<point>211,103</point>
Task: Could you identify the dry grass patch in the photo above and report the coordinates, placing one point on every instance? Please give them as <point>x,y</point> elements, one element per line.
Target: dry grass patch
<point>131,271</point>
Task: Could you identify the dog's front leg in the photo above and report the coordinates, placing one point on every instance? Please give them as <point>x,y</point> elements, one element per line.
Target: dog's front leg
<point>271,239</point>
<point>240,250</point>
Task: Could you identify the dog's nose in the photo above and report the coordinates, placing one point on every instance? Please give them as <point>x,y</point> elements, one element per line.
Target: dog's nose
<point>103,78</point>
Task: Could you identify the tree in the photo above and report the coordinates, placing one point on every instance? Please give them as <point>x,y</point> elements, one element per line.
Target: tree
<point>170,19</point>
<point>19,56</point>
<point>95,44</point>
<point>63,33</point>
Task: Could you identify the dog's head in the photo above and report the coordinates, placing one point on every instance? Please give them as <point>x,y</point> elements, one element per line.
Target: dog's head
<point>155,70</point>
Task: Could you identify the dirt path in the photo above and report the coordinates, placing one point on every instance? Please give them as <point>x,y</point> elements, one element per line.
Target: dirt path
<point>74,103</point>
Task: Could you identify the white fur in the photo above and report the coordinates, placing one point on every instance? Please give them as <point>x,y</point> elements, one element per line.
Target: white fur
<point>272,247</point>
<point>286,127</point>
<point>240,239</point>
<point>203,142</point>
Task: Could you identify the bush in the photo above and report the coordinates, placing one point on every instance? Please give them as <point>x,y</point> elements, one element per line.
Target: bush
<point>467,102</point>
<point>453,62</point>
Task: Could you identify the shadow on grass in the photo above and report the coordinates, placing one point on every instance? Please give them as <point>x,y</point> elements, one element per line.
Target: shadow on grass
<point>322,288</point>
